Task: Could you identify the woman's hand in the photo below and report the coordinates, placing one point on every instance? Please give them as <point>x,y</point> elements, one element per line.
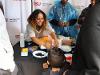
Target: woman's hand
<point>67,42</point>
<point>51,43</point>
<point>66,23</point>
<point>48,45</point>
<point>56,43</point>
<point>61,24</point>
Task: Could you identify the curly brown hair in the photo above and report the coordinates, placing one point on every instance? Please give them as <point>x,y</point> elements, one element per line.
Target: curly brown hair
<point>32,19</point>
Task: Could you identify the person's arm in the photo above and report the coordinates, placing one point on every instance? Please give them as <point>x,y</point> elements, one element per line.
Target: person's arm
<point>5,36</point>
<point>90,41</point>
<point>6,44</point>
<point>72,21</point>
<point>51,16</point>
<point>43,41</point>
<point>38,41</point>
<point>54,22</point>
<point>82,16</point>
<point>31,34</point>
<point>53,35</point>
<point>73,16</point>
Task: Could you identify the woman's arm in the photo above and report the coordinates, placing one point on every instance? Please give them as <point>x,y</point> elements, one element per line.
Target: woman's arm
<point>53,35</point>
<point>37,41</point>
<point>44,41</point>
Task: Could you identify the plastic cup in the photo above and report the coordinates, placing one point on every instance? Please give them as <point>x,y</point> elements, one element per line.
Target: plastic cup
<point>68,58</point>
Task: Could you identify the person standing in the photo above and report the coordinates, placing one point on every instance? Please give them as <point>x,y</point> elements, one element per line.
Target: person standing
<point>7,64</point>
<point>86,58</point>
<point>84,13</point>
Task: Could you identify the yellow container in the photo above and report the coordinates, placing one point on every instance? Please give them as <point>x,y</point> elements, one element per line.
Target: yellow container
<point>24,50</point>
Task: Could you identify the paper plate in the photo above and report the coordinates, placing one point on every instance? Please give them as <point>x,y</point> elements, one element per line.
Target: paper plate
<point>40,54</point>
<point>66,48</point>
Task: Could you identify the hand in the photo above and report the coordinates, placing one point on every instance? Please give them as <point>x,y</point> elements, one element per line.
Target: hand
<point>56,43</point>
<point>48,45</point>
<point>66,23</point>
<point>45,65</point>
<point>61,24</point>
<point>67,42</point>
<point>83,18</point>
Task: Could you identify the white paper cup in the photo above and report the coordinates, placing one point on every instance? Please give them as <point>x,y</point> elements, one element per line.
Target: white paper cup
<point>68,56</point>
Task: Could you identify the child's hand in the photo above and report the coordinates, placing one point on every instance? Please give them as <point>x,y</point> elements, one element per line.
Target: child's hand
<point>45,65</point>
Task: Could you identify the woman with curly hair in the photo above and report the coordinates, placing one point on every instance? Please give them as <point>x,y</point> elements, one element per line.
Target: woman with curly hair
<point>39,30</point>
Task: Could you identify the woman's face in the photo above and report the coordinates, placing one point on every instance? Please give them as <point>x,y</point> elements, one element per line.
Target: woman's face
<point>40,19</point>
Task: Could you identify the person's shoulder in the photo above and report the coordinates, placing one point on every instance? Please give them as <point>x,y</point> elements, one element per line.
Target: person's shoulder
<point>70,6</point>
<point>57,4</point>
<point>29,26</point>
<point>48,25</point>
<point>97,7</point>
<point>93,16</point>
<point>95,10</point>
<point>85,10</point>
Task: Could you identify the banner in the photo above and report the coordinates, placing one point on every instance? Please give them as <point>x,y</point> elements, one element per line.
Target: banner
<point>80,4</point>
<point>45,5</point>
<point>16,13</point>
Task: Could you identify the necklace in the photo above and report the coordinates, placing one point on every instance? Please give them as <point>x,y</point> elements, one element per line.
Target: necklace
<point>38,29</point>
